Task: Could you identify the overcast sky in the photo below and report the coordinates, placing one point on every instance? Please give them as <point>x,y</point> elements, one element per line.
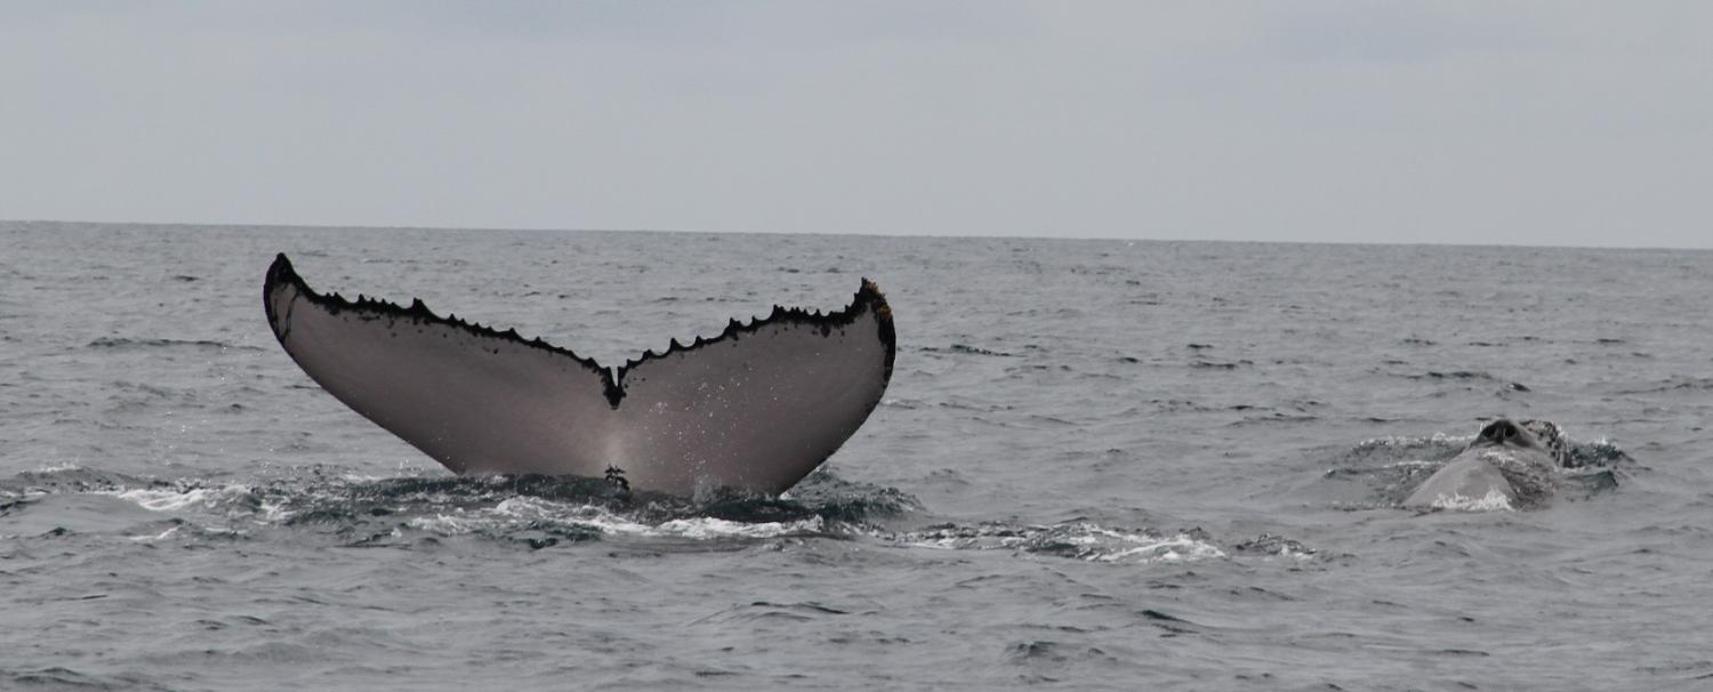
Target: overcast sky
<point>1545,123</point>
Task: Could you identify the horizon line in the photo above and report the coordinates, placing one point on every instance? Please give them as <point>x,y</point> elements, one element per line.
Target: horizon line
<point>870,234</point>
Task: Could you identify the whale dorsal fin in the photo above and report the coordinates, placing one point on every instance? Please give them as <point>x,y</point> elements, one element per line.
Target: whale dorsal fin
<point>755,408</point>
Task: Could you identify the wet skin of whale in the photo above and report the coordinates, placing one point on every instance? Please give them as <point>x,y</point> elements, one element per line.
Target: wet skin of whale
<point>755,408</point>
<point>1507,464</point>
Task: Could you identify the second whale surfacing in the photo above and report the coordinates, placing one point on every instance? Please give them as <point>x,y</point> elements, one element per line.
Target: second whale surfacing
<point>1509,464</point>
<point>754,409</point>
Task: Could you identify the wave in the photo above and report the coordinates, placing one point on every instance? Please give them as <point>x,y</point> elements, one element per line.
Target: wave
<point>965,349</point>
<point>125,343</point>
<point>539,512</point>
<point>1220,365</point>
<point>1675,384</point>
<point>1079,540</point>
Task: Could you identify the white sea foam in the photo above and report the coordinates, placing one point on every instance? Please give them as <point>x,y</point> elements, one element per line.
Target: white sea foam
<point>178,499</point>
<point>709,527</point>
<point>1494,501</point>
<point>1440,438</point>
<point>1179,548</point>
<point>447,524</point>
<point>158,537</point>
<point>517,512</point>
<point>1083,541</point>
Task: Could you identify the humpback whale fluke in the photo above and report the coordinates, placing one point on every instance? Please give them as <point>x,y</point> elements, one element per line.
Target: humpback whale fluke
<point>755,409</point>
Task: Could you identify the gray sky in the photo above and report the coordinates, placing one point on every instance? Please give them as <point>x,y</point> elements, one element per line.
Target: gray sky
<point>1561,123</point>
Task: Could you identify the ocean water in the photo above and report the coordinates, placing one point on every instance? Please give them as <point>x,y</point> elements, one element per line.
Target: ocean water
<point>1100,464</point>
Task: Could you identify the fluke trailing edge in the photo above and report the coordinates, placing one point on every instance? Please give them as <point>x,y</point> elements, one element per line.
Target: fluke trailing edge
<point>756,408</point>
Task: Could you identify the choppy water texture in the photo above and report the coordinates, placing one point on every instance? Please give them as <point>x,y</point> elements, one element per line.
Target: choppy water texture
<point>1100,464</point>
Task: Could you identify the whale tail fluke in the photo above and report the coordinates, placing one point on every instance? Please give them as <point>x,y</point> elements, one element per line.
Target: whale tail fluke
<point>755,408</point>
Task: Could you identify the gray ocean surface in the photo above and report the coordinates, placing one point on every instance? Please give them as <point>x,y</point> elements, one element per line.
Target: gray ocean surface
<point>1100,464</point>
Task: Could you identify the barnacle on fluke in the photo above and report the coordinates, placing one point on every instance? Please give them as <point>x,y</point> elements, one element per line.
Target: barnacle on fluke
<point>760,412</point>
